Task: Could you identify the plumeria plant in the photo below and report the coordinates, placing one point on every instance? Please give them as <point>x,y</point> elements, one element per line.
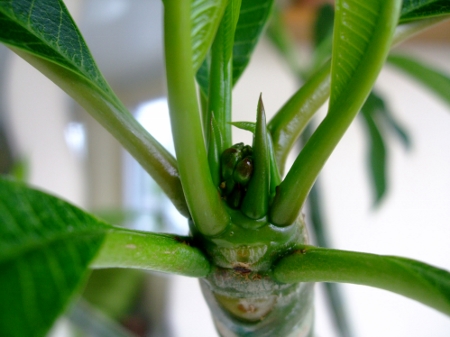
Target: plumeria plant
<point>248,244</point>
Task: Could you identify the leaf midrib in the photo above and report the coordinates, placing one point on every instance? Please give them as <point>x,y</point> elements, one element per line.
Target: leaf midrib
<point>76,69</point>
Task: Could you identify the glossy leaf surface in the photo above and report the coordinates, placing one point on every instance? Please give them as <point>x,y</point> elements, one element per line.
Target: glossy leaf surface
<point>43,33</point>
<point>423,9</point>
<point>46,246</point>
<point>435,80</point>
<point>252,19</point>
<point>419,281</point>
<point>205,18</point>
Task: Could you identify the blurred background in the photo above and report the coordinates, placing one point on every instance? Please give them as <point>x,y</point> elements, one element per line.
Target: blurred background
<point>52,144</point>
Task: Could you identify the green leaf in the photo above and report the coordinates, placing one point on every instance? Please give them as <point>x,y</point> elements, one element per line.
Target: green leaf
<point>252,19</point>
<point>416,280</point>
<point>43,33</point>
<point>205,19</point>
<point>44,28</point>
<point>247,126</point>
<point>377,149</point>
<point>391,122</point>
<point>202,75</point>
<point>423,9</point>
<point>46,246</point>
<point>221,77</point>
<point>434,79</point>
<point>362,38</point>
<point>379,122</point>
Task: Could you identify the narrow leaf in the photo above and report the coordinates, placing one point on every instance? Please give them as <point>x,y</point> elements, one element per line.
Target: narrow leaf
<point>205,19</point>
<point>317,218</point>
<point>423,9</point>
<point>333,291</point>
<point>416,280</point>
<point>43,33</point>
<point>390,120</point>
<point>221,78</point>
<point>377,151</point>
<point>215,148</point>
<point>247,126</point>
<point>46,246</point>
<point>362,38</point>
<point>252,19</point>
<point>435,80</point>
<point>256,201</point>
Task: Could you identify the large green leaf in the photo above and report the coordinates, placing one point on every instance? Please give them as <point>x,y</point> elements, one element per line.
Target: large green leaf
<point>205,19</point>
<point>435,80</point>
<point>252,19</point>
<point>362,38</point>
<point>43,33</point>
<point>46,246</point>
<point>410,278</point>
<point>423,9</point>
<point>44,28</point>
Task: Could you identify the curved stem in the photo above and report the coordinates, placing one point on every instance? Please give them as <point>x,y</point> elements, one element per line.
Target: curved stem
<point>289,122</point>
<point>419,281</point>
<point>350,87</point>
<point>203,198</point>
<point>157,252</point>
<point>114,117</point>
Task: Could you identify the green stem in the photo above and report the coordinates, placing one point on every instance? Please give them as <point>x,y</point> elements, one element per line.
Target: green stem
<point>157,252</point>
<point>419,281</point>
<point>343,107</point>
<point>153,157</point>
<point>289,122</point>
<point>203,198</point>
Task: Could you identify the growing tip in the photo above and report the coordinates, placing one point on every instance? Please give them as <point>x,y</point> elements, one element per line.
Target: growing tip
<point>256,200</point>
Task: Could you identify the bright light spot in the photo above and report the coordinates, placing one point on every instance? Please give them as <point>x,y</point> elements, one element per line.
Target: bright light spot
<point>154,117</point>
<point>75,136</point>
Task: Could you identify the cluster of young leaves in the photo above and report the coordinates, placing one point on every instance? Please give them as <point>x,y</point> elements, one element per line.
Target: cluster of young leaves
<point>47,245</point>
